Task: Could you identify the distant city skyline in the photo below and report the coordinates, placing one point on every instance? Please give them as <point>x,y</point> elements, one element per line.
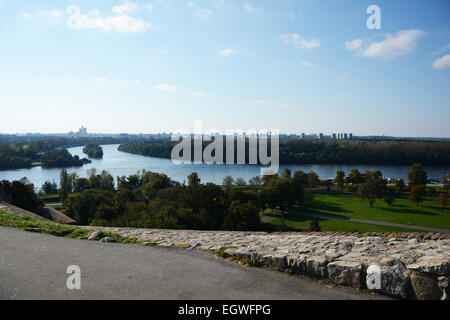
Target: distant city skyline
<point>153,66</point>
<point>83,132</point>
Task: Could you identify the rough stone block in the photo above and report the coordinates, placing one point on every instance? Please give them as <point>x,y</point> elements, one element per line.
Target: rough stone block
<point>317,266</point>
<point>390,280</point>
<point>347,273</point>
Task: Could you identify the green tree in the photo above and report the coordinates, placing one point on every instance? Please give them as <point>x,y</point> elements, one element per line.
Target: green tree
<point>355,177</point>
<point>417,175</point>
<point>314,225</point>
<point>442,200</point>
<point>418,193</point>
<point>313,179</point>
<point>242,217</point>
<point>193,179</point>
<point>446,181</point>
<point>65,185</point>
<point>340,178</point>
<point>286,174</point>
<point>20,194</point>
<point>49,188</point>
<point>301,177</point>
<point>228,181</point>
<point>400,185</point>
<point>255,181</point>
<point>389,200</point>
<point>372,188</point>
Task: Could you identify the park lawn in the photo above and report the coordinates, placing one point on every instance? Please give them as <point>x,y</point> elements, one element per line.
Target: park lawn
<point>301,223</point>
<point>429,214</point>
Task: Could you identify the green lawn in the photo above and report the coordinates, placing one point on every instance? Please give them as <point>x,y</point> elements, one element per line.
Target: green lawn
<point>402,211</point>
<point>301,223</point>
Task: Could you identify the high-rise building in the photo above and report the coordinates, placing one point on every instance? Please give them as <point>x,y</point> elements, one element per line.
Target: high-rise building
<point>82,132</point>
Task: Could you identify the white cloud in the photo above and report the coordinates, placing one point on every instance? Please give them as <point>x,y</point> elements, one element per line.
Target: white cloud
<point>275,104</point>
<point>204,14</point>
<point>353,45</point>
<point>100,79</point>
<point>94,19</point>
<point>149,7</point>
<point>115,81</point>
<point>442,63</point>
<point>307,64</point>
<point>201,13</point>
<point>126,7</point>
<point>166,87</point>
<point>299,41</point>
<point>286,106</point>
<point>402,43</point>
<point>26,15</point>
<point>251,9</point>
<point>55,13</point>
<point>227,52</point>
<point>198,94</point>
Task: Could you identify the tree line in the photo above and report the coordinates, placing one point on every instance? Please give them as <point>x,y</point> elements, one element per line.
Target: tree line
<point>300,151</point>
<point>93,150</point>
<point>22,153</point>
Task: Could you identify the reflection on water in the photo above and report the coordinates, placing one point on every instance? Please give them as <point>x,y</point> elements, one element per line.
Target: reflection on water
<point>123,164</point>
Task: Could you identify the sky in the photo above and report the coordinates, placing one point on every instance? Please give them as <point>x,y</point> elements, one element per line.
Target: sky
<point>155,66</point>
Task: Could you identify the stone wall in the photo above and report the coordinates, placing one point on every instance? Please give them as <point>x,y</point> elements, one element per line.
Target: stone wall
<point>406,267</point>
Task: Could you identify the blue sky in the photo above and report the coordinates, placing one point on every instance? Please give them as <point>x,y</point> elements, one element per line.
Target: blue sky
<point>159,65</point>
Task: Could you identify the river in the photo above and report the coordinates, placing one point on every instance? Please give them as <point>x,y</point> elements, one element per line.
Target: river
<point>122,164</point>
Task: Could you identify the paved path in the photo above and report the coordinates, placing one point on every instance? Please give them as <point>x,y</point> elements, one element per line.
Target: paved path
<point>269,218</point>
<point>33,266</point>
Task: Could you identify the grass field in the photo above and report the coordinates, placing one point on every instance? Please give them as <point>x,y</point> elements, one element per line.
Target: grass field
<point>302,223</point>
<point>402,211</point>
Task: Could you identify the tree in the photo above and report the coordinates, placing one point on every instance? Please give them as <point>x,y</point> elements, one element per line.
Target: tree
<point>314,226</point>
<point>339,180</point>
<point>301,177</point>
<point>446,181</point>
<point>400,185</point>
<point>228,181</point>
<point>240,182</point>
<point>193,179</point>
<point>286,174</point>
<point>49,188</point>
<point>80,185</point>
<point>417,175</point>
<point>355,177</point>
<point>418,193</point>
<point>313,179</point>
<point>255,181</point>
<point>389,200</point>
<point>372,188</point>
<point>242,217</point>
<point>20,194</point>
<point>442,200</point>
<point>65,185</point>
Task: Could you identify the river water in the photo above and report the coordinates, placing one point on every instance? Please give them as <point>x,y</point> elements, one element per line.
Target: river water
<point>123,164</point>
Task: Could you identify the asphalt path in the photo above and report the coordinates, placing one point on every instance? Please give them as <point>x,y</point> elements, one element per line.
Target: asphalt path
<point>33,266</point>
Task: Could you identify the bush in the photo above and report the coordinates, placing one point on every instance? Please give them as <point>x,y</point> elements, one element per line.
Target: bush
<point>314,226</point>
<point>389,200</point>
